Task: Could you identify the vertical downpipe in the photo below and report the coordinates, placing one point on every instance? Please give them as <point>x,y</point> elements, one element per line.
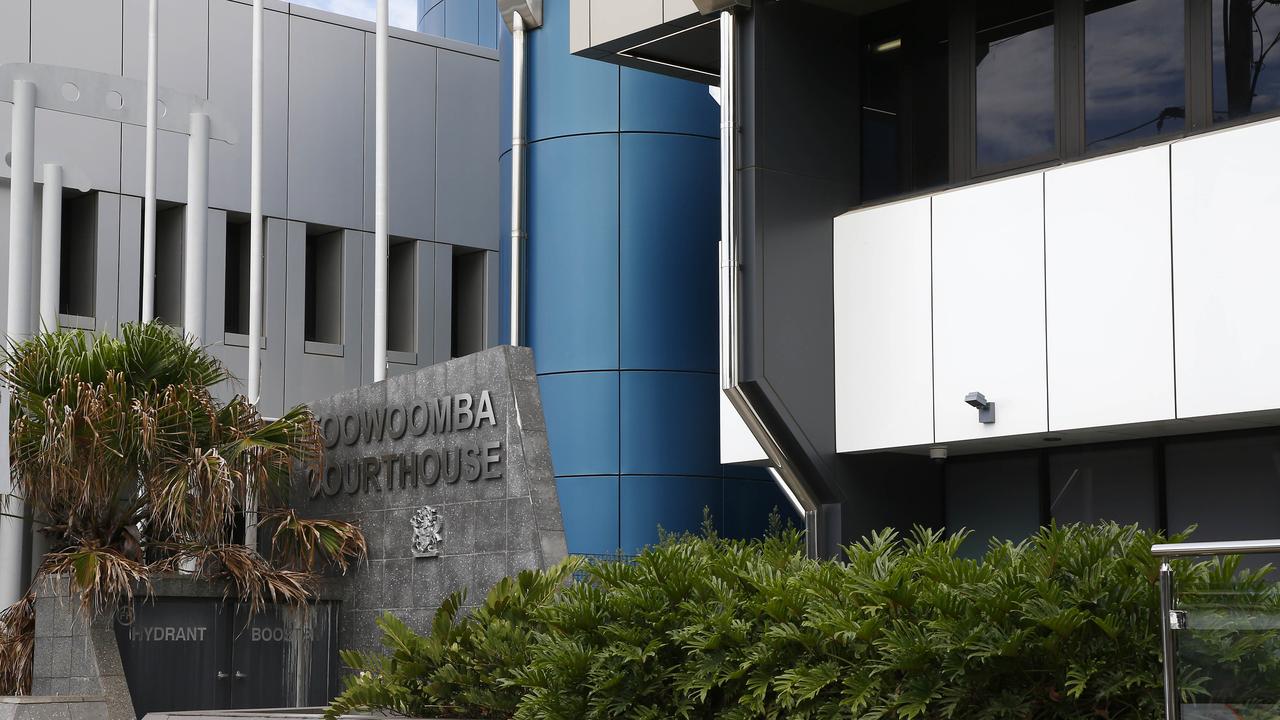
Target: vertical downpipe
<point>194,255</point>
<point>518,232</point>
<point>255,254</point>
<point>21,203</point>
<point>381,244</point>
<point>51,248</point>
<point>149,188</point>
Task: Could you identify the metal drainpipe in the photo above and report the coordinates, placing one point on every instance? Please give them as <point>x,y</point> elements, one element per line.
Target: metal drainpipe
<point>518,232</point>
<point>785,470</point>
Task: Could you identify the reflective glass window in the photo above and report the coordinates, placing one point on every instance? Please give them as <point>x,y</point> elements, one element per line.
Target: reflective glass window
<point>1246,59</point>
<point>1116,484</point>
<point>905,124</point>
<point>1015,82</point>
<point>1135,70</point>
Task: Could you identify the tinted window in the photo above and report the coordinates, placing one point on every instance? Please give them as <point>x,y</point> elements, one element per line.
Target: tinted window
<point>1115,484</point>
<point>1246,61</point>
<point>1135,68</point>
<point>1015,82</point>
<point>905,100</point>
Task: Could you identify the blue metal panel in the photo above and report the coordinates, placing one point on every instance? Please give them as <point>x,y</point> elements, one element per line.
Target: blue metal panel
<point>568,95</point>
<point>433,22</point>
<point>590,509</point>
<point>504,91</point>
<point>670,424</point>
<point>670,227</point>
<point>657,103</point>
<point>489,24</point>
<point>748,504</point>
<point>673,503</point>
<point>582,422</point>
<point>572,259</point>
<point>461,21</point>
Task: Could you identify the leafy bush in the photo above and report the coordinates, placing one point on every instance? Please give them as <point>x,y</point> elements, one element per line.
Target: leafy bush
<point>1063,625</point>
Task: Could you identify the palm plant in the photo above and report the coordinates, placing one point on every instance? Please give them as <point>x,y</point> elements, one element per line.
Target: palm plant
<point>131,467</point>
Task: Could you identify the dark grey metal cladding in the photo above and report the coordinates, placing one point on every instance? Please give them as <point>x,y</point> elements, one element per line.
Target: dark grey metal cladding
<point>465,437</point>
<point>798,170</point>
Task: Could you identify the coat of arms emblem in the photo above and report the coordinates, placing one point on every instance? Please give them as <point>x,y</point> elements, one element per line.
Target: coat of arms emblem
<point>427,525</point>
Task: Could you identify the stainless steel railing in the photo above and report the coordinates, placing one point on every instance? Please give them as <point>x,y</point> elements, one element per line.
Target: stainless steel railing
<point>1171,619</point>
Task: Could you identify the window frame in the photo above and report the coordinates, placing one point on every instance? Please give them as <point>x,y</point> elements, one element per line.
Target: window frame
<point>1069,84</point>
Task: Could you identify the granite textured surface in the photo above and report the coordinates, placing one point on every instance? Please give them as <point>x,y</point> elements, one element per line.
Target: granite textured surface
<point>76,655</point>
<point>425,439</point>
<point>66,707</point>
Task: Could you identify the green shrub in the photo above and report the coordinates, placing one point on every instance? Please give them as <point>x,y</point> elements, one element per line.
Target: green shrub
<point>1063,625</point>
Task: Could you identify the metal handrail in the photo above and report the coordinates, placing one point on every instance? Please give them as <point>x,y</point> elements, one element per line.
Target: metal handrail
<point>1239,547</point>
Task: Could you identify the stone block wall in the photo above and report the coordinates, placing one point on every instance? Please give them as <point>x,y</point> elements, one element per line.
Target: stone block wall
<point>76,654</point>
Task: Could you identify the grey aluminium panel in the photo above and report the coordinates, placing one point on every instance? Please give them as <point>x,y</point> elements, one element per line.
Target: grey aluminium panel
<point>412,123</point>
<point>443,303</point>
<point>466,166</point>
<point>182,42</point>
<point>84,34</point>
<point>15,31</point>
<point>171,163</point>
<point>129,263</point>
<point>89,145</point>
<point>107,261</point>
<point>230,27</point>
<point>326,123</point>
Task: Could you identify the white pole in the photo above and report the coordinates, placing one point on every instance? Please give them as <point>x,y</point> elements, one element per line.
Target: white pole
<point>51,248</point>
<point>381,244</point>
<point>21,200</point>
<point>149,201</point>
<point>255,213</point>
<point>193,281</point>
<point>517,172</point>
<point>255,251</point>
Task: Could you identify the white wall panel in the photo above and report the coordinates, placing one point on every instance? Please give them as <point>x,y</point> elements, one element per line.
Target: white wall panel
<point>988,304</point>
<point>1226,249</point>
<point>883,341</point>
<point>1109,291</point>
<point>737,444</point>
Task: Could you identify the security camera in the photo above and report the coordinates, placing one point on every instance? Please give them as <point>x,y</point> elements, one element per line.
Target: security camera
<point>938,454</point>
<point>986,408</point>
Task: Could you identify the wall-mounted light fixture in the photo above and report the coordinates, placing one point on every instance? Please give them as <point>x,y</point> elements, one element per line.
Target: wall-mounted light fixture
<point>887,46</point>
<point>986,409</point>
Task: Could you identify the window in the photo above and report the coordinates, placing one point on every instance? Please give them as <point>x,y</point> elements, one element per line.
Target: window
<point>77,271</point>
<point>1135,70</point>
<point>402,297</point>
<point>171,233</point>
<point>993,496</point>
<point>904,112</point>
<point>1015,91</point>
<point>467,331</point>
<point>1246,61</point>
<point>323,298</point>
<point>1115,484</point>
<point>236,295</point>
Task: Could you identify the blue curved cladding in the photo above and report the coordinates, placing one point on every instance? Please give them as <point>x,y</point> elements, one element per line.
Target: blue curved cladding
<point>568,95</point>
<point>621,295</point>
<point>572,266</point>
<point>583,425</point>
<point>668,240</point>
<point>470,21</point>
<point>656,103</point>
<point>590,505</point>
<point>670,424</point>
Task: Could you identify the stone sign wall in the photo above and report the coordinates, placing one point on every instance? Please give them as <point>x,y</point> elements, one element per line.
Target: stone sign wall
<point>448,473</point>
